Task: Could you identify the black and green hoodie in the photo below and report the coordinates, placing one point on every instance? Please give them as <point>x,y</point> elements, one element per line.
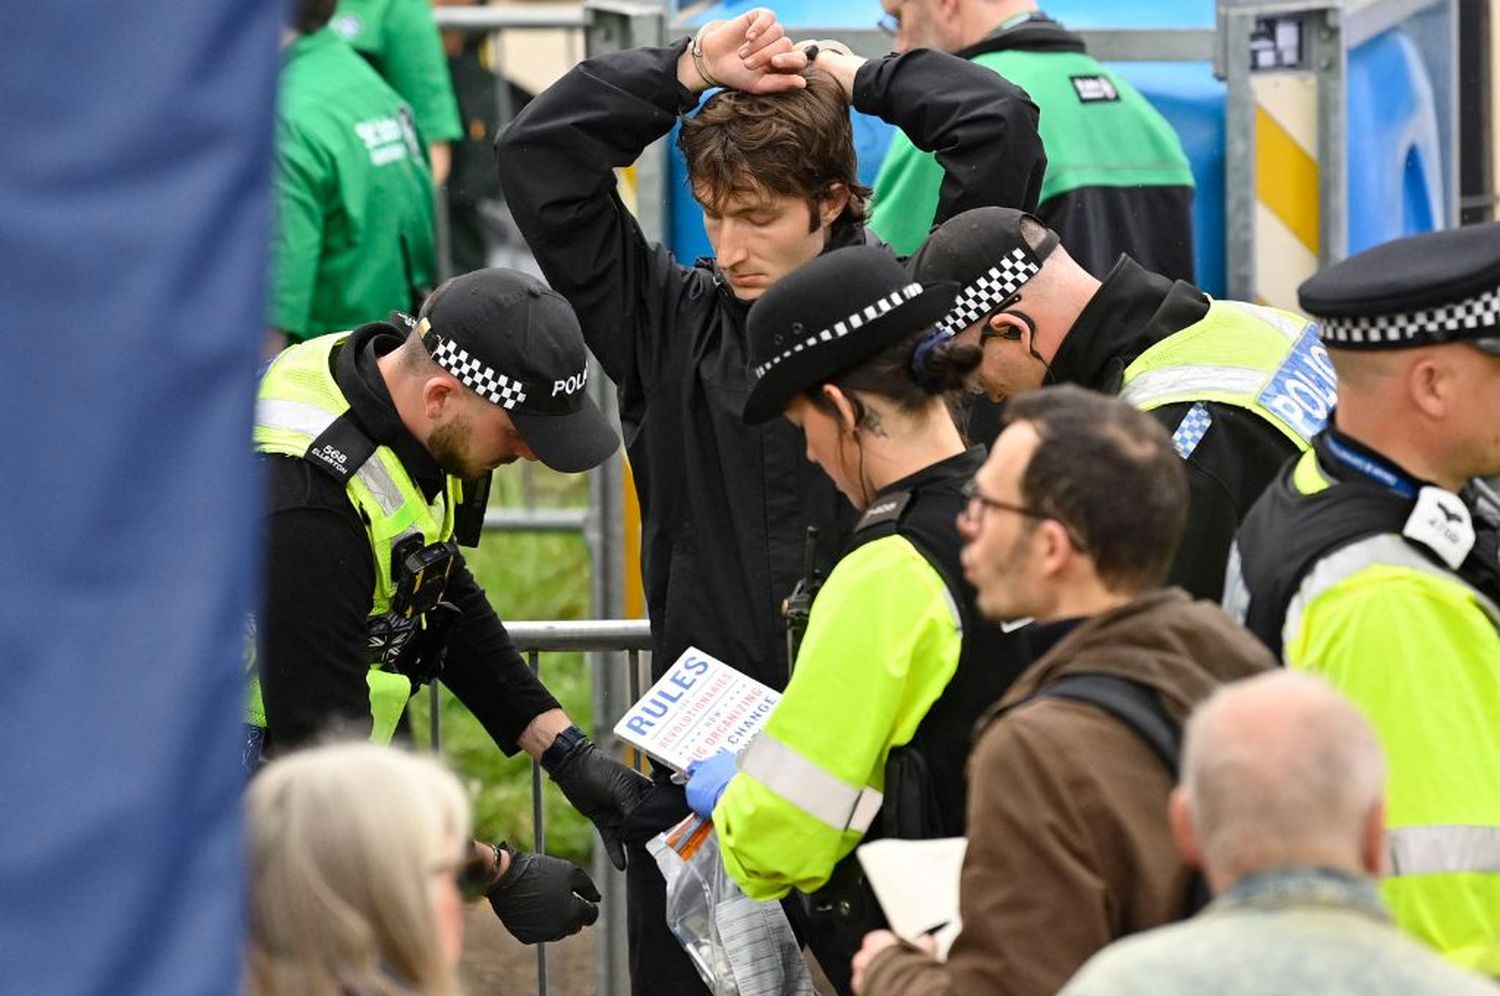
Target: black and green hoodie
<point>1117,179</point>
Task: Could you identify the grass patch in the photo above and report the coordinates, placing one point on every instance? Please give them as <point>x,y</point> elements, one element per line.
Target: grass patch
<point>527,576</point>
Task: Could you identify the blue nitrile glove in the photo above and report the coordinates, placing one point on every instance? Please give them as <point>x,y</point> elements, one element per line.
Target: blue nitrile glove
<point>707,781</point>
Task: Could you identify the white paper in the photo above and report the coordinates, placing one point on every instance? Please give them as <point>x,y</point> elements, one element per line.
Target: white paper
<point>699,707</point>
<point>916,882</point>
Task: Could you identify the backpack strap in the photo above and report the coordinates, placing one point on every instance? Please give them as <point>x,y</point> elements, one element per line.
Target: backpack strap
<point>1132,703</point>
<point>1138,707</point>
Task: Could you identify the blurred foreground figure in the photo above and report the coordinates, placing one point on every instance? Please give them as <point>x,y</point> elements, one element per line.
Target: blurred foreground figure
<point>355,856</point>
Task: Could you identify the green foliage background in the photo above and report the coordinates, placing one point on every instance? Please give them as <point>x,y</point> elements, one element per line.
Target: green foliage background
<point>527,576</point>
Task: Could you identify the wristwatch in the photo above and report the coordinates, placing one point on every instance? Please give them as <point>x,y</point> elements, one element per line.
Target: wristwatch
<point>562,744</point>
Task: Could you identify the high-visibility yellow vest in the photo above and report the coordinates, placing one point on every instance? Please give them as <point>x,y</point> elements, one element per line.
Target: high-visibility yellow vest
<point>883,641</point>
<point>1417,648</point>
<point>1267,361</point>
<point>298,401</point>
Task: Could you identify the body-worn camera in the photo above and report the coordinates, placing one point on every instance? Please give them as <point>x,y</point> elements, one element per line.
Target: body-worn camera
<point>412,638</point>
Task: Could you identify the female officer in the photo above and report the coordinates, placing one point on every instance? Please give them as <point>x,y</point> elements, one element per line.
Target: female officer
<point>895,654</point>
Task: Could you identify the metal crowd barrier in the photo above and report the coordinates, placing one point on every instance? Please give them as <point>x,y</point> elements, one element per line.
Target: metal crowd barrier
<point>610,642</point>
<point>617,648</point>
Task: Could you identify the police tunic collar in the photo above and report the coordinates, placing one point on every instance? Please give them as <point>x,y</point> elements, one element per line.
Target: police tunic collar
<point>1133,310</point>
<point>358,377</point>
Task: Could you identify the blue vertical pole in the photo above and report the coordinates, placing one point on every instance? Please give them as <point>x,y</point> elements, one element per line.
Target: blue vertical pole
<point>134,213</point>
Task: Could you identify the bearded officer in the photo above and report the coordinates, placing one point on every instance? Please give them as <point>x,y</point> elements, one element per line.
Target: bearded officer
<point>374,442</point>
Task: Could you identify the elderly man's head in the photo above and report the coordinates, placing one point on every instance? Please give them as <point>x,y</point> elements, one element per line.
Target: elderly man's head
<point>946,25</point>
<point>1279,770</point>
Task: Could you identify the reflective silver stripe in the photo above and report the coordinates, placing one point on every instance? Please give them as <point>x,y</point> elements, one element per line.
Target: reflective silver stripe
<point>1290,326</point>
<point>293,416</point>
<point>1236,599</point>
<point>958,619</point>
<point>381,484</point>
<point>311,421</point>
<point>807,786</point>
<point>1192,380</point>
<point>1440,850</point>
<point>1387,548</point>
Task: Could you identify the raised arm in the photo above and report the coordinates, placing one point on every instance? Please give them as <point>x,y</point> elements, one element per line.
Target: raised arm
<point>557,163</point>
<point>981,127</point>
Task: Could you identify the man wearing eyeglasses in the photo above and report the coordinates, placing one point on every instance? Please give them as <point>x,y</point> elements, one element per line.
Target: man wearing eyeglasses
<point>1073,521</point>
<point>1117,179</point>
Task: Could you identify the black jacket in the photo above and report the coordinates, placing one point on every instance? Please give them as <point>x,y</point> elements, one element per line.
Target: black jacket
<point>320,586</point>
<point>1241,452</point>
<point>724,505</point>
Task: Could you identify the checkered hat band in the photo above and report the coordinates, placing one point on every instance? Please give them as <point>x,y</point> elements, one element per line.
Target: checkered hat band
<point>985,294</point>
<point>840,329</point>
<point>476,375</point>
<point>1449,321</point>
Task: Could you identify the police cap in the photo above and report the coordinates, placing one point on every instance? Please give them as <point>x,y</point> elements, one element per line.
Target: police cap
<point>985,252</point>
<point>516,343</point>
<point>1419,291</point>
<point>831,315</point>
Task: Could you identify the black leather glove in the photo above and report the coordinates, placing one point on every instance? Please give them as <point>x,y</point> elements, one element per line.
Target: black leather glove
<point>542,898</point>
<point>600,788</point>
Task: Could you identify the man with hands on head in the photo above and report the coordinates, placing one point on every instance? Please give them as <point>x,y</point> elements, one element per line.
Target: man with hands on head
<point>378,445</point>
<point>771,159</point>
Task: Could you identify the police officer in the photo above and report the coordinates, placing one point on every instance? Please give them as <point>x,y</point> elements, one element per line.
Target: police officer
<point>896,665</point>
<point>1372,561</point>
<point>372,441</point>
<point>1241,388</point>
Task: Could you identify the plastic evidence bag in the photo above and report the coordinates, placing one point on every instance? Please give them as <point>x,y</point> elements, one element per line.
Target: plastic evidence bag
<point>739,946</point>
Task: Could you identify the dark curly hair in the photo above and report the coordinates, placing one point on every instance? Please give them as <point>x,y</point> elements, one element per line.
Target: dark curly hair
<point>798,143</point>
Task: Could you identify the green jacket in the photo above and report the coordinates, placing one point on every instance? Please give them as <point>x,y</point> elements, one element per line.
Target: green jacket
<point>1117,179</point>
<point>399,38</point>
<point>355,215</point>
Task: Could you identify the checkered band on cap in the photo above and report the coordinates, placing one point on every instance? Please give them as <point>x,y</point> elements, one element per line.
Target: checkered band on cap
<point>985,294</point>
<point>476,375</point>
<point>840,329</point>
<point>1439,324</point>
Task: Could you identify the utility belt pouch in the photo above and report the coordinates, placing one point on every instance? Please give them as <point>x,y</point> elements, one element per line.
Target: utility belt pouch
<point>910,810</point>
<point>845,909</point>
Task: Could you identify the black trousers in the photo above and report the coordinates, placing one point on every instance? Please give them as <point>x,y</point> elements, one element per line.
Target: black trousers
<point>658,965</point>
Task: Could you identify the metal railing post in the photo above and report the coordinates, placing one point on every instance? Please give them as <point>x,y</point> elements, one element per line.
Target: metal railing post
<point>615,646</point>
<point>538,830</point>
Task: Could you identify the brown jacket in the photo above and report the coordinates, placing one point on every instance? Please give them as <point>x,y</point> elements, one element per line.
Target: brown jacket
<point>1069,847</point>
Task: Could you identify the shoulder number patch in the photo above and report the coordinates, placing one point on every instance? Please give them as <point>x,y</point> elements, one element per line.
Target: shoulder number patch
<point>1094,89</point>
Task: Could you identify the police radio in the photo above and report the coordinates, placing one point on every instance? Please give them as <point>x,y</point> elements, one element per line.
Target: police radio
<point>798,605</point>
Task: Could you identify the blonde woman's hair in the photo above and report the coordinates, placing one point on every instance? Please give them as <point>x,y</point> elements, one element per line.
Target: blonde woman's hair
<point>344,840</point>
